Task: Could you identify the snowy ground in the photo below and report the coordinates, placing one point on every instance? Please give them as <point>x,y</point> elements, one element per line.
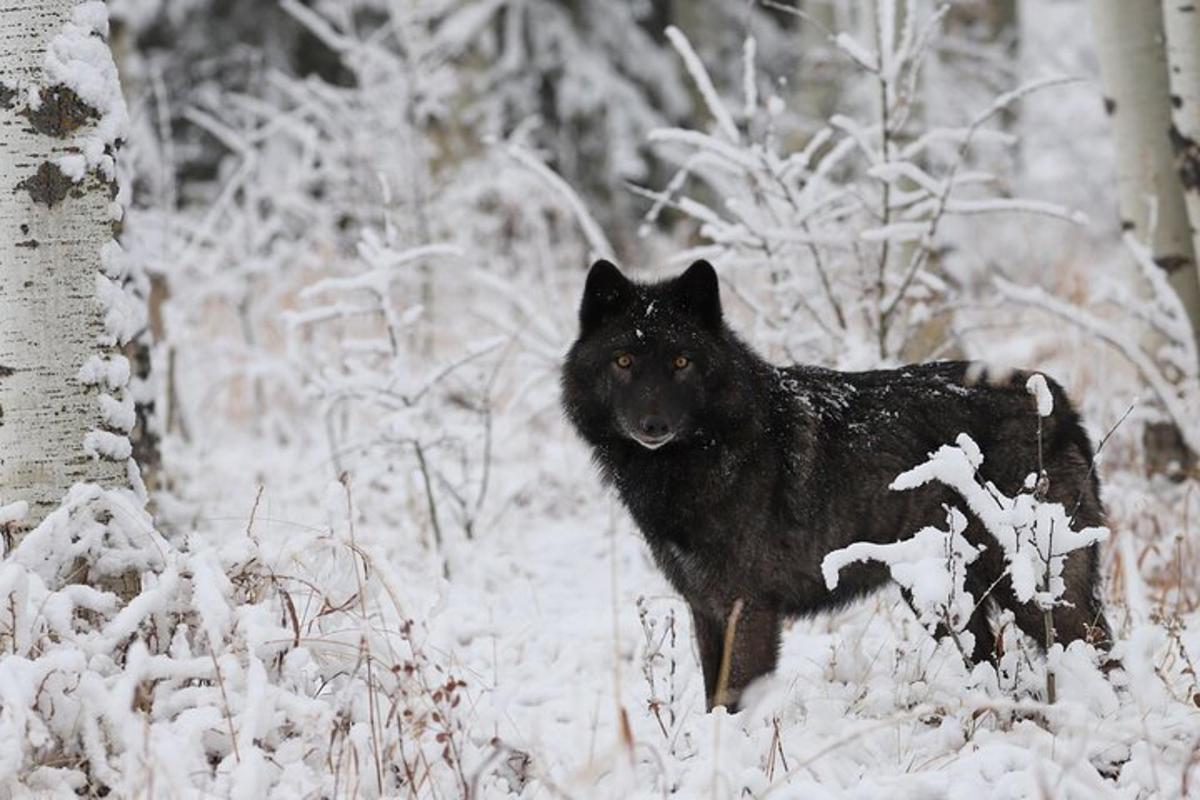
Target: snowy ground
<point>295,637</point>
<point>561,628</point>
<point>301,633</point>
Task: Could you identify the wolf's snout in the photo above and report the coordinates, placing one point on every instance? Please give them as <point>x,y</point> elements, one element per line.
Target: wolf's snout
<point>652,432</point>
<point>654,427</point>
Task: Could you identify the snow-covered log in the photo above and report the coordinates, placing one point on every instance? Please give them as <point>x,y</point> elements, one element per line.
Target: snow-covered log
<point>1133,66</point>
<point>64,412</point>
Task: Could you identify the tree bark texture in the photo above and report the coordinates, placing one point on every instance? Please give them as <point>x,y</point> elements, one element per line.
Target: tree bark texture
<point>1130,42</point>
<point>1181,20</point>
<point>52,231</point>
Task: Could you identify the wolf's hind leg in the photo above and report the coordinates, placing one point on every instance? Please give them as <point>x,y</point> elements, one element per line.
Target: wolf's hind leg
<point>1080,617</point>
<point>983,647</point>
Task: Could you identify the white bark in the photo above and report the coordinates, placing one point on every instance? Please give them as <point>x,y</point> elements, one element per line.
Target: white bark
<point>1182,24</point>
<point>52,320</point>
<point>1133,66</point>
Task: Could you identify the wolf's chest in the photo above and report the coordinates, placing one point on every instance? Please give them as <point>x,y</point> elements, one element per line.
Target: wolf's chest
<point>687,570</point>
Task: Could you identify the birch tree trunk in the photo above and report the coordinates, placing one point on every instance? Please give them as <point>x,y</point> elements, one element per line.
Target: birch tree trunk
<point>1182,24</point>
<point>64,414</point>
<point>1133,67</point>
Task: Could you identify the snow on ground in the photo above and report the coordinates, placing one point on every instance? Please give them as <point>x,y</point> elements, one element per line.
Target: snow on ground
<point>562,629</point>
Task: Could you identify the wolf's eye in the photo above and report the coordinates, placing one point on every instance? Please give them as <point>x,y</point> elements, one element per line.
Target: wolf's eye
<point>624,361</point>
<point>682,362</point>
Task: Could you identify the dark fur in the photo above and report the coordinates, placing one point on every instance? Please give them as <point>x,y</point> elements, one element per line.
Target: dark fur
<point>771,468</point>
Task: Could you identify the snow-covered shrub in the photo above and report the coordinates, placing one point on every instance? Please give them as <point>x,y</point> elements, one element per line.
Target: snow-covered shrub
<point>322,185</point>
<point>843,228</point>
<point>239,670</point>
<point>1034,535</point>
<point>381,404</point>
<point>1147,326</point>
<point>930,567</point>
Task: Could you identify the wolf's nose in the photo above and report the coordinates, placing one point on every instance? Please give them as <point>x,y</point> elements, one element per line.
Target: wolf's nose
<point>654,427</point>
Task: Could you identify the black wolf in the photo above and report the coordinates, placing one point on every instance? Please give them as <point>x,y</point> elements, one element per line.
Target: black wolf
<point>743,475</point>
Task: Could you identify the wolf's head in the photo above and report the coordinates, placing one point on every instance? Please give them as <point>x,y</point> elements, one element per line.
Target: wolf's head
<point>652,362</point>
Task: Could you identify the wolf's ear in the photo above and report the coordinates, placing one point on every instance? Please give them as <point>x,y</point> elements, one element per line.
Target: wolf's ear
<point>700,294</point>
<point>606,289</point>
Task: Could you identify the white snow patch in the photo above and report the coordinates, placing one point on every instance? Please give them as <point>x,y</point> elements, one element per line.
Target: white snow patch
<point>118,414</point>
<point>105,444</point>
<point>74,166</point>
<point>1036,386</point>
<point>13,512</point>
<point>79,58</point>
<point>111,372</point>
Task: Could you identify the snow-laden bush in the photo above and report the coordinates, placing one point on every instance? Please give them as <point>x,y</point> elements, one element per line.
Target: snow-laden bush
<point>381,404</point>
<point>1035,536</point>
<point>371,261</point>
<point>845,228</point>
<point>1148,326</point>
<point>931,567</point>
<point>239,669</point>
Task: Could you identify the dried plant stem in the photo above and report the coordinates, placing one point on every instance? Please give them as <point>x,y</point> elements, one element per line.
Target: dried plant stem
<point>776,748</point>
<point>433,514</point>
<point>1051,685</point>
<point>1040,489</point>
<point>364,643</point>
<point>225,704</point>
<point>719,698</point>
<point>253,512</point>
<point>886,194</point>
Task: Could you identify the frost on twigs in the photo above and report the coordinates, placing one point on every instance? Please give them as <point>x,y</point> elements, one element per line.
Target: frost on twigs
<point>930,567</point>
<point>877,187</point>
<point>1035,536</point>
<point>232,673</point>
<point>435,415</point>
<point>1148,327</point>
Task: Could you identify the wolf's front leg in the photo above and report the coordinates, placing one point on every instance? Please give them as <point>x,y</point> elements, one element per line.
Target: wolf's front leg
<point>754,651</point>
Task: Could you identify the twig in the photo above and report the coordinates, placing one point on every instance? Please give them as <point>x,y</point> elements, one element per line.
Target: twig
<point>1095,456</point>
<point>253,511</point>
<point>433,513</point>
<point>364,643</point>
<point>212,652</point>
<point>1048,622</point>
<point>925,244</point>
<point>719,698</point>
<point>885,152</point>
<point>484,479</point>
